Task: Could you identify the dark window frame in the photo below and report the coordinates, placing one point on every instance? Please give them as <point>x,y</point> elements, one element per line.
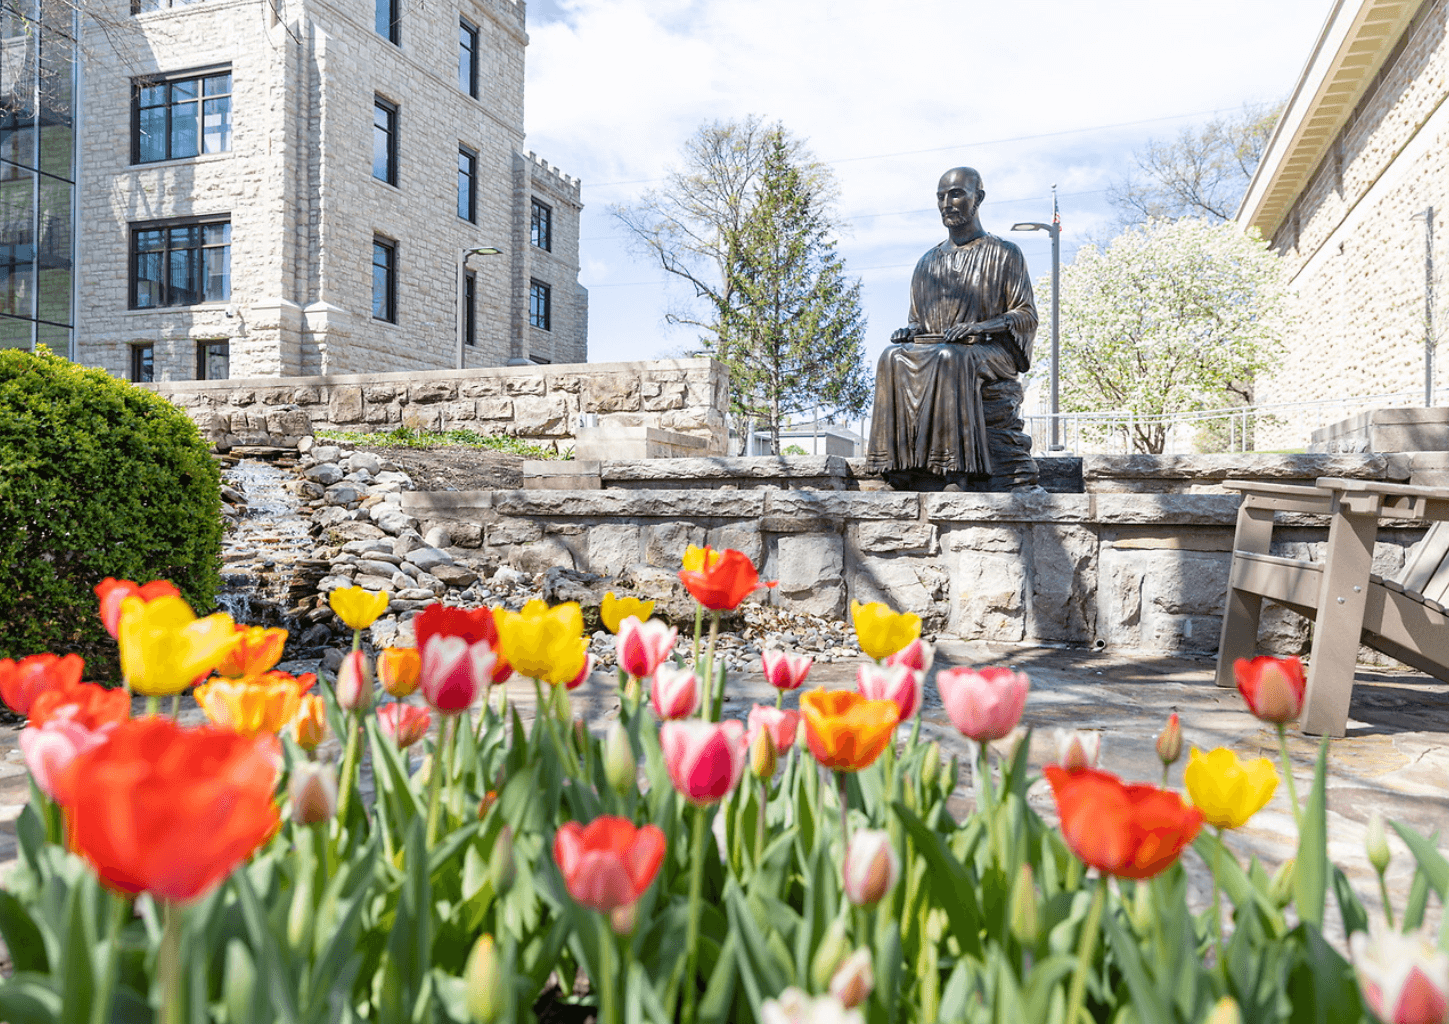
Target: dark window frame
<point>170,80</point>
<point>203,352</point>
<point>392,9</point>
<point>168,248</point>
<point>540,225</point>
<point>471,176</point>
<point>390,130</point>
<point>470,308</point>
<point>143,367</point>
<point>389,268</point>
<point>540,305</point>
<point>468,44</point>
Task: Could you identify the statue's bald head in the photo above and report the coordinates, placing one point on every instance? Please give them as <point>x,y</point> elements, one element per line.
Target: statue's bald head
<point>967,177</point>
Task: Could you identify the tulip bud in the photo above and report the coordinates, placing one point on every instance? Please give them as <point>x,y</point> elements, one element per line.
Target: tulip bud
<point>930,765</point>
<point>1376,843</point>
<point>833,948</point>
<point>853,979</point>
<point>313,792</point>
<point>501,870</point>
<point>484,984</point>
<point>486,804</point>
<point>1225,1012</point>
<point>1169,742</point>
<point>1077,749</point>
<point>354,683</point>
<point>620,769</point>
<point>623,919</point>
<point>871,867</point>
<point>1025,913</point>
<point>762,755</point>
<point>1280,888</point>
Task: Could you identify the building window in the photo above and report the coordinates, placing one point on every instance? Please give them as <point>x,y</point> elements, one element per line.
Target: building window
<point>142,6</point>
<point>180,264</point>
<point>384,141</point>
<point>213,360</point>
<point>467,184</point>
<point>384,280</point>
<point>470,308</point>
<point>467,58</point>
<point>143,363</point>
<point>180,116</point>
<point>540,305</point>
<point>541,226</point>
<point>387,22</point>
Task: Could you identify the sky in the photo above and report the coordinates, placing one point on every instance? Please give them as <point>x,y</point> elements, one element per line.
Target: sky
<point>1032,93</point>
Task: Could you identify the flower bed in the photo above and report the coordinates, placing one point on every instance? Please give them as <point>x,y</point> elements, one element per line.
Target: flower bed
<point>798,866</point>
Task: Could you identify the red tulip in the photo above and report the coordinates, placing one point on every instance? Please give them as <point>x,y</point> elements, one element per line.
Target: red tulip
<point>354,682</point>
<point>705,759</point>
<point>609,863</point>
<point>473,626</point>
<point>459,661</point>
<point>404,724</point>
<point>1273,687</point>
<point>1127,830</point>
<point>24,680</point>
<point>785,671</point>
<point>1169,741</point>
<point>723,585</point>
<point>86,704</point>
<point>984,704</point>
<point>167,810</point>
<point>643,646</point>
<point>897,683</point>
<point>113,591</point>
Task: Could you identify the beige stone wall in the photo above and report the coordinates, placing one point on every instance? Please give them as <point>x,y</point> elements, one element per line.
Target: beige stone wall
<point>298,186</point>
<point>1355,249</point>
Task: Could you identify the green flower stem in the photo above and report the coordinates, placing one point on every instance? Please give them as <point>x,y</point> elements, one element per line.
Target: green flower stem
<point>153,704</point>
<point>1288,772</point>
<point>1384,894</point>
<point>175,706</point>
<point>706,706</point>
<point>1164,776</point>
<point>106,987</point>
<point>844,818</point>
<point>698,629</point>
<point>1077,995</point>
<point>779,700</point>
<point>1215,909</point>
<point>435,779</point>
<point>608,974</point>
<point>691,935</point>
<point>349,768</point>
<point>357,639</point>
<point>760,831</point>
<point>544,711</point>
<point>915,733</point>
<point>168,965</point>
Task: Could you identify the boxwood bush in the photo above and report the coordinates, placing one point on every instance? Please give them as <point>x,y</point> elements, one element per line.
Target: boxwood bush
<point>97,478</point>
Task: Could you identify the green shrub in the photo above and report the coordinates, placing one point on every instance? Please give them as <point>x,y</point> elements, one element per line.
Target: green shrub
<point>97,478</point>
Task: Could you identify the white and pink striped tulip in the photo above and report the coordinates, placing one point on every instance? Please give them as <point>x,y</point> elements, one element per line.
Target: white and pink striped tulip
<point>643,646</point>
<point>786,671</point>
<point>705,759</point>
<point>897,683</point>
<point>675,692</point>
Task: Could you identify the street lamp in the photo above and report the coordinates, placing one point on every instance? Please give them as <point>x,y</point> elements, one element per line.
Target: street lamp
<point>463,254</point>
<point>1055,230</point>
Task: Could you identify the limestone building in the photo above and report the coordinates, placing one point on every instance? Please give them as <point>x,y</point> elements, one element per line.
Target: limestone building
<point>294,187</point>
<point>1353,192</point>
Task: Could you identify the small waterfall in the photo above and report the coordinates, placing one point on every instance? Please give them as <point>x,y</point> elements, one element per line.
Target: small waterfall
<point>263,545</point>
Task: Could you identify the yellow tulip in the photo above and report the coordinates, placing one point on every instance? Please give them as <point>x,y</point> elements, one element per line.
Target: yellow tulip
<point>697,559</point>
<point>309,728</point>
<point>882,632</point>
<point>614,610</point>
<point>543,642</point>
<point>250,707</point>
<point>1227,790</point>
<point>357,607</point>
<point>165,647</point>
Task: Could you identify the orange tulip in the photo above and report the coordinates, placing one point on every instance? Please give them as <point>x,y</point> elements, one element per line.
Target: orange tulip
<point>21,682</point>
<point>398,669</point>
<point>264,704</point>
<point>178,808</point>
<point>309,728</point>
<point>112,592</point>
<point>85,704</point>
<point>723,584</point>
<point>257,650</point>
<point>847,732</point>
<point>1131,831</point>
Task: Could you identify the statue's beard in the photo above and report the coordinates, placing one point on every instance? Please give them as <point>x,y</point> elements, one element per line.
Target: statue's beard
<point>954,218</point>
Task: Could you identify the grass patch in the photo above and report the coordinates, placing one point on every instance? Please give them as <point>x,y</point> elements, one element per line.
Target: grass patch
<point>407,437</point>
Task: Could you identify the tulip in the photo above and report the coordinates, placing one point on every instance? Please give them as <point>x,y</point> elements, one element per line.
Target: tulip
<point>614,610</point>
<point>501,868</point>
<point>830,954</point>
<point>1225,1011</point>
<point>251,707</point>
<point>485,985</point>
<point>1169,742</point>
<point>780,724</point>
<point>1078,749</point>
<point>1376,843</point>
<point>697,559</point>
<point>257,650</point>
<point>1403,978</point>
<point>404,724</point>
<point>847,732</point>
<point>24,680</point>
<point>643,646</point>
<point>85,704</point>
<point>705,759</point>
<point>762,754</point>
<point>871,868</point>
<point>675,692</point>
<point>354,683</point>
<point>309,727</point>
<point>785,671</point>
<point>896,683</point>
<point>459,656</point>
<point>313,792</point>
<point>356,607</point>
<point>724,583</point>
<point>882,632</point>
<point>112,592</point>
<point>609,863</point>
<point>1131,831</point>
<point>1227,790</point>
<point>585,670</point>
<point>543,642</point>
<point>50,748</point>
<point>931,764</point>
<point>165,647</point>
<point>477,626</point>
<point>1025,908</point>
<point>1283,882</point>
<point>398,669</point>
<point>1273,687</point>
<point>984,704</point>
<point>918,656</point>
<point>180,808</point>
<point>853,980</point>
<point>795,1007</point>
<point>621,770</point>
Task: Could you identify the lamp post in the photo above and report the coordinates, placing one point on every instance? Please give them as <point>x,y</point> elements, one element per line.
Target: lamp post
<point>1055,230</point>
<point>463,254</point>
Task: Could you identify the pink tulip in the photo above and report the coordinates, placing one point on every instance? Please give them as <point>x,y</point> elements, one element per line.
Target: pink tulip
<point>454,672</point>
<point>1403,978</point>
<point>871,867</point>
<point>354,683</point>
<point>404,724</point>
<point>675,692</point>
<point>49,749</point>
<point>916,656</point>
<point>586,670</point>
<point>984,704</point>
<point>786,671</point>
<point>643,646</point>
<point>897,683</point>
<point>780,724</point>
<point>705,759</point>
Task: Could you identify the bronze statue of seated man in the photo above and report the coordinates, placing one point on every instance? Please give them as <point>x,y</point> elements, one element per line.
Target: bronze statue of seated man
<point>947,396</point>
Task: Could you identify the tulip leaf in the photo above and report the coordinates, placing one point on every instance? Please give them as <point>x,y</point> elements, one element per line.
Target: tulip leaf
<point>28,998</point>
<point>1310,883</point>
<point>1321,987</point>
<point>1355,918</point>
<point>271,967</point>
<point>337,964</point>
<point>1235,881</point>
<point>30,835</point>
<point>1431,861</point>
<point>1045,976</point>
<point>643,1002</point>
<point>954,888</point>
<point>1417,901</point>
<point>888,964</point>
<point>76,970</point>
<point>757,958</point>
<point>22,937</point>
<point>1145,998</point>
<point>958,990</point>
<point>719,993</point>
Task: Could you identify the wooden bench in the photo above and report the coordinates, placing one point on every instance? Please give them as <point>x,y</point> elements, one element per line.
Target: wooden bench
<point>1406,618</point>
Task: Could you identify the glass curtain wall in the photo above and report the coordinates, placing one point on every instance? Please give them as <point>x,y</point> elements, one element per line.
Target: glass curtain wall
<point>37,173</point>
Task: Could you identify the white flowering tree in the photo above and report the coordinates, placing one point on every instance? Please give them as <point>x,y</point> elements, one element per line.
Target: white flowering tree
<point>1172,316</point>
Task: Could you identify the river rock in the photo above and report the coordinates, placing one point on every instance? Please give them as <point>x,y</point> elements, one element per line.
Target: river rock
<point>344,493</point>
<point>364,462</point>
<point>426,557</point>
<point>438,537</point>
<point>392,519</point>
<point>455,575</point>
<point>324,473</point>
<point>326,453</point>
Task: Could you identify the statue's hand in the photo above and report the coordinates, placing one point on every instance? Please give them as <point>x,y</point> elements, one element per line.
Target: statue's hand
<point>904,334</point>
<point>962,333</point>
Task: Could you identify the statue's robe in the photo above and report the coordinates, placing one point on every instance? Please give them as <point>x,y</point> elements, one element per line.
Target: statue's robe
<point>929,409</point>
